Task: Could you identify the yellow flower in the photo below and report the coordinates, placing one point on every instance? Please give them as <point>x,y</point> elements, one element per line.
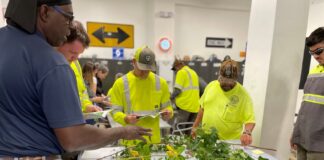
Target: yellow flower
<point>134,153</point>
<point>171,151</point>
<point>170,154</point>
<point>169,148</point>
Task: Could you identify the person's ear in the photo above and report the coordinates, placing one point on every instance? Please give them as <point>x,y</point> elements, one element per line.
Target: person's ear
<point>133,62</point>
<point>43,13</point>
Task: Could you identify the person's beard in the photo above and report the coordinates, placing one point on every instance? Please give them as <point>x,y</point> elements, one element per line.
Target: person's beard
<point>226,83</point>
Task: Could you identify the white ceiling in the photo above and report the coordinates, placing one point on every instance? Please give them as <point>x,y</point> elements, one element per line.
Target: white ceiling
<point>5,2</point>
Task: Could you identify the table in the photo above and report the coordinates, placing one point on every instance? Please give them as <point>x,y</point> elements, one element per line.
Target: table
<point>251,151</point>
<point>106,153</point>
<point>109,150</point>
<point>100,153</point>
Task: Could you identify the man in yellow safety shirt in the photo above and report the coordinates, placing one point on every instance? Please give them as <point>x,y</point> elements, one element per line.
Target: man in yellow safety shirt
<point>308,135</point>
<point>140,93</point>
<point>186,92</point>
<point>77,41</point>
<point>226,106</point>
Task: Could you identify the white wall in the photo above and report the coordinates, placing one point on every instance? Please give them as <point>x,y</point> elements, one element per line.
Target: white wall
<point>228,21</point>
<point>2,23</point>
<point>3,4</point>
<point>162,27</point>
<point>112,11</point>
<point>243,5</point>
<point>195,23</point>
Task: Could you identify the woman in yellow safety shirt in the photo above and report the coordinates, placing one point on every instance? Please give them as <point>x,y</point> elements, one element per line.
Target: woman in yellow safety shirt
<point>226,106</point>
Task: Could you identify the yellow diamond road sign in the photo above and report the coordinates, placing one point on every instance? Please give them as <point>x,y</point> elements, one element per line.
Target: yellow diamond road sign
<point>110,35</point>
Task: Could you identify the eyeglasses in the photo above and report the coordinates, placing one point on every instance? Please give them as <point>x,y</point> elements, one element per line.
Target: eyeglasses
<point>67,15</point>
<point>318,51</point>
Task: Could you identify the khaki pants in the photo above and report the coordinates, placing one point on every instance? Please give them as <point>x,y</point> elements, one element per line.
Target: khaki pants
<point>303,154</point>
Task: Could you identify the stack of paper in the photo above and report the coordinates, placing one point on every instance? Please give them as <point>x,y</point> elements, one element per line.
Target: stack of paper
<point>95,115</point>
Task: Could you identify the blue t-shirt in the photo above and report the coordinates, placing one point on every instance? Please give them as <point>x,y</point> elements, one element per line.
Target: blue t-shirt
<point>37,93</point>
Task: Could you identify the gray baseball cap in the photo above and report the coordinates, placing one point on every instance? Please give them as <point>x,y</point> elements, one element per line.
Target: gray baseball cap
<point>145,59</point>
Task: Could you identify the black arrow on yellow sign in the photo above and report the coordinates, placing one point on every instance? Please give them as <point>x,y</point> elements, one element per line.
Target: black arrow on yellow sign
<point>101,34</point>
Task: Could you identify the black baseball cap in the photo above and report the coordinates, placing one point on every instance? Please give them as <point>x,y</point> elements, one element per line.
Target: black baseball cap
<point>24,12</point>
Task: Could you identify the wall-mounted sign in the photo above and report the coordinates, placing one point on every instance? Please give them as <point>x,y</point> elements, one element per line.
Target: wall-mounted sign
<point>219,42</point>
<point>165,44</point>
<point>110,35</point>
<point>118,53</point>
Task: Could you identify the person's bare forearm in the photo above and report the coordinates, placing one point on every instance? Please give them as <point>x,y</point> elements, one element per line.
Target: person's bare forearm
<point>97,99</point>
<point>199,118</point>
<point>101,137</point>
<point>248,127</point>
<point>85,137</point>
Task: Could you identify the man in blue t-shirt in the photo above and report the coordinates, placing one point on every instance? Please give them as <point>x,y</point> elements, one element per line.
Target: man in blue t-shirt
<point>40,113</point>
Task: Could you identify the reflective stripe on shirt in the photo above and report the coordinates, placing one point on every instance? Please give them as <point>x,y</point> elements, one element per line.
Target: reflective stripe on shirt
<point>127,91</point>
<point>116,109</point>
<point>157,83</point>
<point>316,75</point>
<point>190,87</point>
<point>190,78</point>
<point>127,94</point>
<point>313,98</point>
<point>178,86</point>
<point>151,112</point>
<point>166,104</point>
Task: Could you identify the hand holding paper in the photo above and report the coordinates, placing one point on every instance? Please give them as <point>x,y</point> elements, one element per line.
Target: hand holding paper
<point>166,115</point>
<point>131,119</point>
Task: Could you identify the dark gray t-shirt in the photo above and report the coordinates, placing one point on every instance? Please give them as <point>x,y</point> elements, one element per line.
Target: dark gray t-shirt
<point>37,93</point>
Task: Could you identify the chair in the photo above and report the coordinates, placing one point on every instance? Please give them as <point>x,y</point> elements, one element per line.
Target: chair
<point>181,127</point>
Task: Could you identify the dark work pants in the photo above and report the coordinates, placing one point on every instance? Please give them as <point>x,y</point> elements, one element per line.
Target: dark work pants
<point>303,154</point>
<point>183,116</point>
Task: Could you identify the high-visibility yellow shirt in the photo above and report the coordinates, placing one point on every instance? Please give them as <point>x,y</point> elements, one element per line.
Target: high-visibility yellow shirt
<point>146,96</point>
<point>188,82</point>
<point>226,111</point>
<point>82,89</point>
<point>317,69</point>
<point>109,93</point>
